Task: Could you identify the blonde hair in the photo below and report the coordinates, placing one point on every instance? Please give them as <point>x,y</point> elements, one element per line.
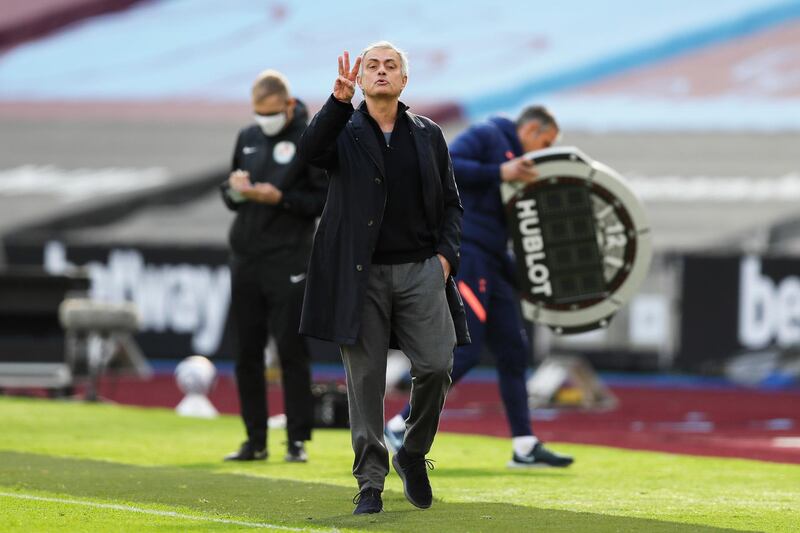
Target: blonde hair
<point>390,46</point>
<point>268,83</point>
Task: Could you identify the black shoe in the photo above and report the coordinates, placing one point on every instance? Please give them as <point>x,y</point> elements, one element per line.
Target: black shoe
<point>247,452</point>
<point>541,457</point>
<point>296,452</point>
<point>413,471</point>
<point>368,501</point>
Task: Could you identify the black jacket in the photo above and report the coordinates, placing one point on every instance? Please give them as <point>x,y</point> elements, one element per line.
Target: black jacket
<point>341,141</point>
<point>260,228</point>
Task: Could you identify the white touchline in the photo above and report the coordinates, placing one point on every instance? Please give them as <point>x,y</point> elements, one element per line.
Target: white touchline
<point>171,514</point>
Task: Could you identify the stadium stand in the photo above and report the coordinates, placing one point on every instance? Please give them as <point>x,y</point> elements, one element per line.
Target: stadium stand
<point>27,20</point>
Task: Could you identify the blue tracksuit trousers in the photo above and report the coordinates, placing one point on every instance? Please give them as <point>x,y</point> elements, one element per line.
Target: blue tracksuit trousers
<point>494,319</point>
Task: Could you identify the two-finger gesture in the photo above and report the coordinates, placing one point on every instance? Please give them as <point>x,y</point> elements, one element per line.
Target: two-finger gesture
<point>345,86</point>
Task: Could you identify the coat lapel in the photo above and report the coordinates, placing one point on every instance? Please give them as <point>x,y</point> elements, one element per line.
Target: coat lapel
<point>431,186</point>
<point>365,138</point>
<point>422,141</point>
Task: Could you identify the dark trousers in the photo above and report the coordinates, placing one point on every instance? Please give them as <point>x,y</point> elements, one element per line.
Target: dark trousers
<point>409,300</point>
<point>266,298</point>
<point>494,319</point>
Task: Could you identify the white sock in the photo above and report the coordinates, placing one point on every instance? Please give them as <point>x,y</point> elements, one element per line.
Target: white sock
<point>524,445</point>
<point>396,423</point>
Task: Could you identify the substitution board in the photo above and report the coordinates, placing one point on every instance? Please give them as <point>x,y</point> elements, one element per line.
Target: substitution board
<point>581,240</point>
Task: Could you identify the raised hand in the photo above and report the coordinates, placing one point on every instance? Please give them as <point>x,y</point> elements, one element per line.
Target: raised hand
<point>345,86</point>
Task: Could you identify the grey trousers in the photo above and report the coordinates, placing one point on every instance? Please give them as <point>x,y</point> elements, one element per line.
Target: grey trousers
<point>409,301</point>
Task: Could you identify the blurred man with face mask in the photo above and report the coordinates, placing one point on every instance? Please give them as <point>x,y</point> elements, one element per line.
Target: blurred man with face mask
<point>277,199</point>
<point>484,156</point>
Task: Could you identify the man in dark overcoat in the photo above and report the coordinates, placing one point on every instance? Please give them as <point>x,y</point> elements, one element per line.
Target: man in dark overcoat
<point>381,268</point>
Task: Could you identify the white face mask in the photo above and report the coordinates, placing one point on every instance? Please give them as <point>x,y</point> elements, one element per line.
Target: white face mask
<point>272,124</point>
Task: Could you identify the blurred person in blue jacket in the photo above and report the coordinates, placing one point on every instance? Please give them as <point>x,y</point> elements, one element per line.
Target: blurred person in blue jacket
<point>484,156</point>
<point>277,198</point>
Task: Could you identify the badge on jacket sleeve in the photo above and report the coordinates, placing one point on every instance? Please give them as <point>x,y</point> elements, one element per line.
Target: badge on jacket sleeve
<point>284,152</point>
<point>581,239</point>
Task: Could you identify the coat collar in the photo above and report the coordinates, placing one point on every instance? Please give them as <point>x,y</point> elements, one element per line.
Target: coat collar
<point>401,107</point>
<point>362,132</point>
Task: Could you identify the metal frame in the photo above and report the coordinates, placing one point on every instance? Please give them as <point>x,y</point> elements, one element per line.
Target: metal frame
<point>555,164</point>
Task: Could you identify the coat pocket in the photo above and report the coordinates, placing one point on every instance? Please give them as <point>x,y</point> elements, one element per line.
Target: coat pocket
<point>457,311</point>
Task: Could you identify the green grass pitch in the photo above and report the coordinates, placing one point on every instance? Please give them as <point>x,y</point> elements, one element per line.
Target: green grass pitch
<point>78,467</point>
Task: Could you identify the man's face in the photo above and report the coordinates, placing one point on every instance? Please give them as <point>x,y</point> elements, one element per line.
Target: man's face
<point>381,75</point>
<point>275,104</point>
<point>533,136</point>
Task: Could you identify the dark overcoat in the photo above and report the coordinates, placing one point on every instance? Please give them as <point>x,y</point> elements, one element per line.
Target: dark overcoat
<point>340,140</point>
